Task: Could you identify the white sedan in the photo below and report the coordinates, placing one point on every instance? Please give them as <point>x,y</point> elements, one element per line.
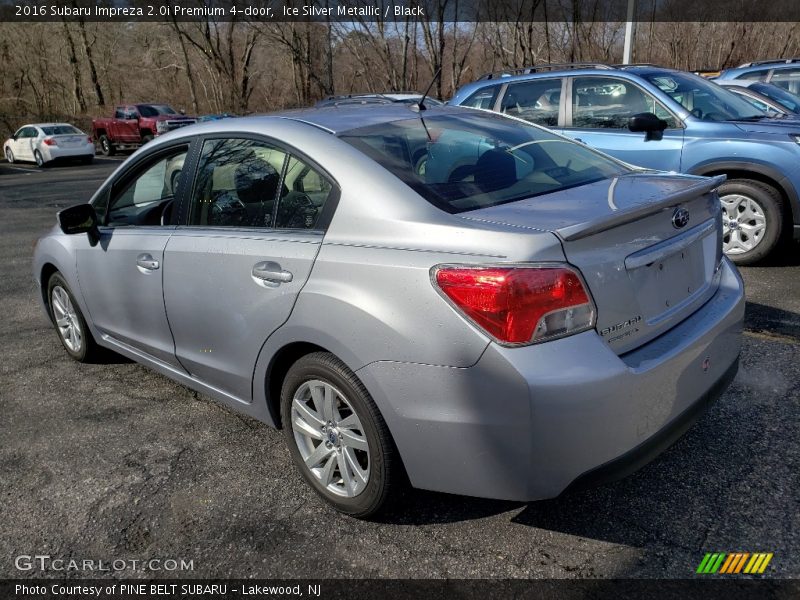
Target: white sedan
<point>45,142</point>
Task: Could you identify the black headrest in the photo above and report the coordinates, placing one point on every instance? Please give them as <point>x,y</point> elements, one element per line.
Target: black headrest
<point>495,169</point>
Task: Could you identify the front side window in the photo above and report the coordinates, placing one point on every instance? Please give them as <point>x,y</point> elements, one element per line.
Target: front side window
<point>146,197</point>
<point>536,101</point>
<point>153,110</point>
<point>475,160</point>
<point>608,103</point>
<point>704,99</point>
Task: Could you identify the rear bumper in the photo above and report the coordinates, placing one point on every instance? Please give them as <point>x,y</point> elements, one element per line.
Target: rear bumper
<point>525,423</point>
<point>55,152</point>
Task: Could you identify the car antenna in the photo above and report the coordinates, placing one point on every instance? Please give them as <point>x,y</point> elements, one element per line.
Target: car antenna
<point>420,106</point>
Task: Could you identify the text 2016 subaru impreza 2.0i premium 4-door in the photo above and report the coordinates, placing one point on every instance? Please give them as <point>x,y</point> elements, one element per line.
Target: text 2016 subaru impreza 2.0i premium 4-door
<point>489,307</point>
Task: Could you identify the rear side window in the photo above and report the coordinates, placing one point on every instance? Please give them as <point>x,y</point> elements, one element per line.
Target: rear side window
<point>473,160</point>
<point>608,103</point>
<point>536,101</point>
<point>757,75</point>
<point>250,183</point>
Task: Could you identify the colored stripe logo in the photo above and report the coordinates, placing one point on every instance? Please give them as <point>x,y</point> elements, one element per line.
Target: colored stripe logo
<point>734,562</point>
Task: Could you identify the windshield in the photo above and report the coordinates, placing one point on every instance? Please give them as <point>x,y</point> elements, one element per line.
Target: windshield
<point>704,99</point>
<point>475,159</point>
<point>61,130</point>
<point>153,110</point>
<point>788,100</point>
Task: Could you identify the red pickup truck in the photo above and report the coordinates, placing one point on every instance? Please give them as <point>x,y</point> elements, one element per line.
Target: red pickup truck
<point>135,124</point>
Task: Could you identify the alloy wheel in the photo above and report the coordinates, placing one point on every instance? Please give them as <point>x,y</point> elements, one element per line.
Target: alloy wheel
<point>743,223</point>
<point>69,327</point>
<point>330,438</point>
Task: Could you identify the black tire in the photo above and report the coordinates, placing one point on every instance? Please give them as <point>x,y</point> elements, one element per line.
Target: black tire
<point>383,462</point>
<point>9,156</point>
<point>106,147</point>
<point>770,201</point>
<point>89,351</point>
<point>37,156</point>
<point>147,137</point>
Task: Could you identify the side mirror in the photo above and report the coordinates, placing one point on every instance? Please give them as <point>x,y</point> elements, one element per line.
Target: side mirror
<point>648,123</point>
<point>14,137</point>
<point>80,218</point>
<point>182,111</point>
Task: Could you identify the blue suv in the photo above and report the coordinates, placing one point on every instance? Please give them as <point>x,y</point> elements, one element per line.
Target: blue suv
<point>668,120</point>
<point>783,72</point>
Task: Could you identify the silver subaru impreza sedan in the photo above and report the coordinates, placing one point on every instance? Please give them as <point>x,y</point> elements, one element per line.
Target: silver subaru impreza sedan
<point>448,295</point>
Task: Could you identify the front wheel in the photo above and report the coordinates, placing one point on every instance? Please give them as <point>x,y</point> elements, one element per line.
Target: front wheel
<point>752,220</point>
<point>70,324</point>
<point>9,156</point>
<point>336,435</point>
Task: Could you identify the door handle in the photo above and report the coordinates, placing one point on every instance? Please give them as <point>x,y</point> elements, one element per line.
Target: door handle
<point>271,274</point>
<point>145,261</point>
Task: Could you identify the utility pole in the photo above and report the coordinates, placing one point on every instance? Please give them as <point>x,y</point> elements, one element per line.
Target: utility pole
<point>627,52</point>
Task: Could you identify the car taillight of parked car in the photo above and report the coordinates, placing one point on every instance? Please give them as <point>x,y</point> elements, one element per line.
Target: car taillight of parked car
<point>89,140</point>
<point>518,305</point>
<point>50,142</point>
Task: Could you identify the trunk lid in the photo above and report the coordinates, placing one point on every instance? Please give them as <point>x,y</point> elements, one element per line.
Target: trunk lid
<point>648,246</point>
<point>70,140</point>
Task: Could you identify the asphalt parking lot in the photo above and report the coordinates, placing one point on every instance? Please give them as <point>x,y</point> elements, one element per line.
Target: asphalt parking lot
<point>115,461</point>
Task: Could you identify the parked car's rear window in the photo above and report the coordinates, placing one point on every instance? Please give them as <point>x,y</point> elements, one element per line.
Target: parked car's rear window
<point>475,159</point>
<point>61,130</point>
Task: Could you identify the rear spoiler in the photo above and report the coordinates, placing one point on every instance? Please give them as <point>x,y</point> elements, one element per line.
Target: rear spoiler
<point>582,230</point>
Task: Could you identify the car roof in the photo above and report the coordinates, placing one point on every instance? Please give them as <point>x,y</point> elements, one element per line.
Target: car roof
<point>47,125</point>
<point>600,70</point>
<point>345,117</point>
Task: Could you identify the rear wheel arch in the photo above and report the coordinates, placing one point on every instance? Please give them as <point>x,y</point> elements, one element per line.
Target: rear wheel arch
<point>276,373</point>
<point>760,173</point>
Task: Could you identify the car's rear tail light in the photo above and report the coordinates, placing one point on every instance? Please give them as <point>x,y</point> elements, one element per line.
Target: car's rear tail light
<point>89,140</point>
<point>50,142</point>
<point>521,304</point>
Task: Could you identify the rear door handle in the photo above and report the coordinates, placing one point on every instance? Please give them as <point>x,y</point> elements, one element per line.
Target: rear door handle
<point>145,261</point>
<point>271,274</point>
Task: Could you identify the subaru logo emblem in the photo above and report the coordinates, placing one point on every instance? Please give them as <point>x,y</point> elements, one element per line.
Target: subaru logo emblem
<point>680,218</point>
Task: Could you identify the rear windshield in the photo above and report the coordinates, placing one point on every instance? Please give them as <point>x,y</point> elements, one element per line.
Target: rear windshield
<point>153,110</point>
<point>61,130</point>
<point>477,159</point>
